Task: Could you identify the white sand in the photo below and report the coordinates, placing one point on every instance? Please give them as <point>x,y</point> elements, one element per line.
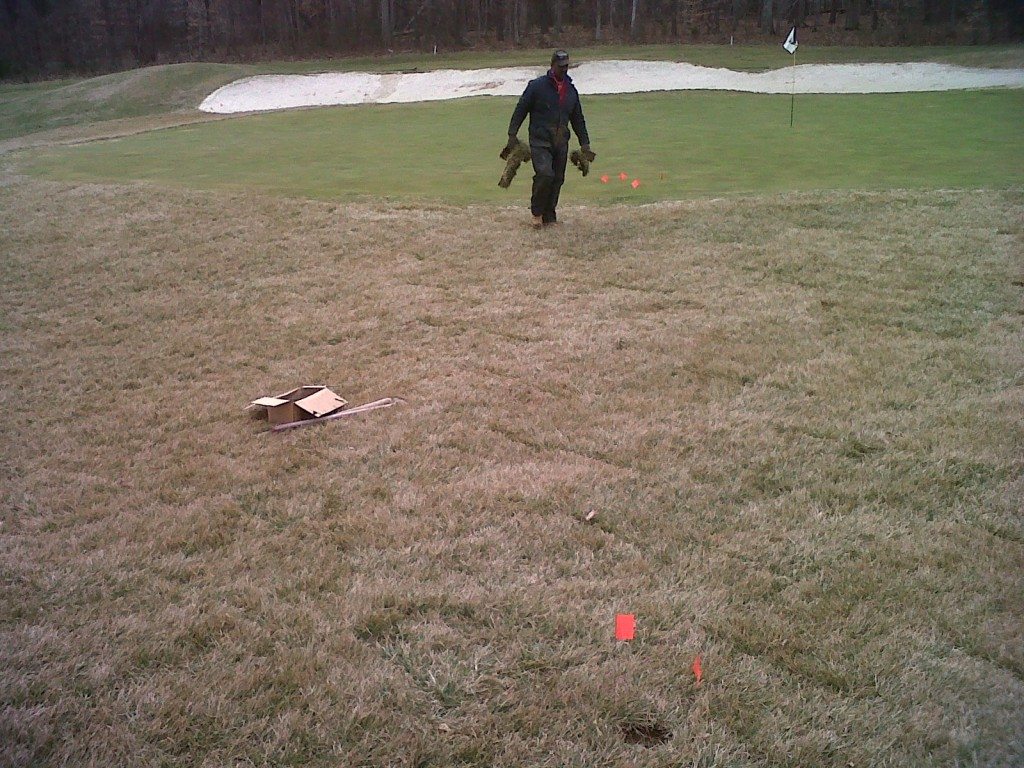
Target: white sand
<point>269,92</point>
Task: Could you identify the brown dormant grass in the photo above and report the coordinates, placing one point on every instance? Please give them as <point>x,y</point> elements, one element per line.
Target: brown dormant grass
<point>797,418</point>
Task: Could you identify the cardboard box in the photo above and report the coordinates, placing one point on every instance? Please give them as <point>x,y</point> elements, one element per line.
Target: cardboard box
<point>299,404</point>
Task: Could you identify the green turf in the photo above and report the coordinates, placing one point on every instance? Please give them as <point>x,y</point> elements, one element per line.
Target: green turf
<point>680,144</point>
<point>29,108</point>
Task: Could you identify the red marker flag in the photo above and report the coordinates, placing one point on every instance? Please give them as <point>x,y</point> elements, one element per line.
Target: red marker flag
<point>625,626</point>
<point>635,184</point>
<point>623,176</point>
<point>604,179</point>
<point>698,673</point>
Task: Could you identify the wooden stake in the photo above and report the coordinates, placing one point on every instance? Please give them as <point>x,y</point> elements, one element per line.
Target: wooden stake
<point>386,402</point>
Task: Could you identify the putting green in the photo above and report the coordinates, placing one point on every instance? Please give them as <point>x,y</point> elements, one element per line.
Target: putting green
<point>679,145</point>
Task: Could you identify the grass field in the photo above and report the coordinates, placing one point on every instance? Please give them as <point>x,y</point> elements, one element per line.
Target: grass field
<point>793,404</point>
<point>678,144</point>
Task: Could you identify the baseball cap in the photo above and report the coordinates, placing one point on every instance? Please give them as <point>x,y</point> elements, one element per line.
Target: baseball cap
<point>560,57</point>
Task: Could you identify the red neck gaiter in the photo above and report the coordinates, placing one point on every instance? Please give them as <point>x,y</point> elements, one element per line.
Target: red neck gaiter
<point>560,85</point>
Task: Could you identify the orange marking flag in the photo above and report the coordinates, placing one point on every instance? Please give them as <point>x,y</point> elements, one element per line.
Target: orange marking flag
<point>625,626</point>
<point>698,673</point>
<point>623,176</point>
<point>604,179</point>
<point>635,184</point>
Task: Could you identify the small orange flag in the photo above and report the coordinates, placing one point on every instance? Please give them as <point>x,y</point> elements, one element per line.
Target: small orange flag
<point>625,626</point>
<point>635,184</point>
<point>698,673</point>
<point>604,179</point>
<point>623,176</point>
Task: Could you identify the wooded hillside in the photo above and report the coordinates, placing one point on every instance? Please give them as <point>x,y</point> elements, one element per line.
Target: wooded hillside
<point>49,37</point>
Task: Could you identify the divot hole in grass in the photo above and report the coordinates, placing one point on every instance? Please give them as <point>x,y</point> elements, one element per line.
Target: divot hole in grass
<point>644,733</point>
<point>640,724</point>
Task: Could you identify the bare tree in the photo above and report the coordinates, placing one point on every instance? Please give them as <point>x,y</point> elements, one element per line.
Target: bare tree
<point>768,17</point>
<point>852,14</point>
<point>386,28</point>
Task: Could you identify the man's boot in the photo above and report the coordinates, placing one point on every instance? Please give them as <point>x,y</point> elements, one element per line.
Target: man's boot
<point>538,222</point>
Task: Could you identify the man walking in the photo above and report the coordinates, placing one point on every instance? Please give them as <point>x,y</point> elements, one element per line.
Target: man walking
<point>552,102</point>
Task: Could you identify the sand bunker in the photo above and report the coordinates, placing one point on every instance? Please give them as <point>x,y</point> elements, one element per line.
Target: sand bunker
<point>269,92</point>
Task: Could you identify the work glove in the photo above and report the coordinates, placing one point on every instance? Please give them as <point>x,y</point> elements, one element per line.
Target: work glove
<point>590,156</point>
<point>513,142</point>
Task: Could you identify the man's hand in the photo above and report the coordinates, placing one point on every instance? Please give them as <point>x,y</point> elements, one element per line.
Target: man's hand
<point>585,148</point>
<point>513,140</point>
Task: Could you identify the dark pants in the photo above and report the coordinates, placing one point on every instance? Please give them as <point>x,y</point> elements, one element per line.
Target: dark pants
<point>548,175</point>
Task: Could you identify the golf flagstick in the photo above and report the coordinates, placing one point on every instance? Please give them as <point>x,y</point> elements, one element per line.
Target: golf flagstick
<point>792,91</point>
<point>790,45</point>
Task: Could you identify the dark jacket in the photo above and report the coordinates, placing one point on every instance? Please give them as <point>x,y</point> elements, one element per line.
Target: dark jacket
<point>549,120</point>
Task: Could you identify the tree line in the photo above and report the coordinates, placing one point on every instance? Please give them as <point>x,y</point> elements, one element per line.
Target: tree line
<point>51,37</point>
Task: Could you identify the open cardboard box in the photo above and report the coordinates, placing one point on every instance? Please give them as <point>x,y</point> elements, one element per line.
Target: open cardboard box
<point>299,404</point>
